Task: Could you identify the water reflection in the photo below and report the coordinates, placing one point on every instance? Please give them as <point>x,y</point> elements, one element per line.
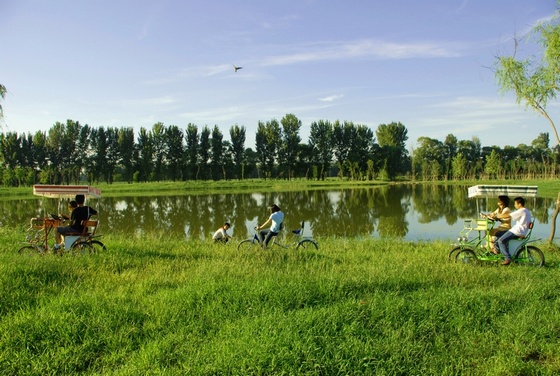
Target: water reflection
<point>411,212</point>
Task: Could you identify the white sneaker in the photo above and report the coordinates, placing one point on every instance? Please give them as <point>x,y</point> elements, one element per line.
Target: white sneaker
<point>56,247</point>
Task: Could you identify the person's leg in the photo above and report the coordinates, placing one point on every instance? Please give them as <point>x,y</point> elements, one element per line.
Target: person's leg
<point>502,244</point>
<point>497,236</point>
<point>268,237</point>
<point>59,232</point>
<point>262,234</point>
<point>57,236</point>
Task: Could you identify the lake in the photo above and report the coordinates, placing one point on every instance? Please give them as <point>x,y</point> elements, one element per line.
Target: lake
<point>406,211</point>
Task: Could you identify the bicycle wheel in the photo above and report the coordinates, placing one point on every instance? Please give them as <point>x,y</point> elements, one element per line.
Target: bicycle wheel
<point>453,252</point>
<point>81,248</point>
<point>307,244</point>
<point>248,244</point>
<point>98,246</point>
<point>530,256</point>
<point>466,256</point>
<point>29,250</point>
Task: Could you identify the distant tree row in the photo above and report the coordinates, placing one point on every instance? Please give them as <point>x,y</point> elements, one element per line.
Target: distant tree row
<point>455,159</point>
<point>71,153</point>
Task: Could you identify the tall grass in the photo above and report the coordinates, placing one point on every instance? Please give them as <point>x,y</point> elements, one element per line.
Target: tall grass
<point>162,306</point>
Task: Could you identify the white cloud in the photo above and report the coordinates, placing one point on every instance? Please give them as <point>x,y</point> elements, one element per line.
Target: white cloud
<point>331,98</point>
<point>365,48</point>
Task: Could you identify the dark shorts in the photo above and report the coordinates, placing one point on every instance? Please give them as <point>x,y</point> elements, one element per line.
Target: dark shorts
<point>66,230</point>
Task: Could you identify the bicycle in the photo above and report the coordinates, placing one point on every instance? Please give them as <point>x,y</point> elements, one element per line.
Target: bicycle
<point>300,242</point>
<point>472,250</point>
<point>37,242</point>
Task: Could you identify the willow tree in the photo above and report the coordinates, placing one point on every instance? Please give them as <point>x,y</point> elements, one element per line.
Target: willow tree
<point>3,96</point>
<point>536,82</point>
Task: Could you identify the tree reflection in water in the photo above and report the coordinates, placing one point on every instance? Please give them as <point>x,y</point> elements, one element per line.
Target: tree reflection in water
<point>411,211</point>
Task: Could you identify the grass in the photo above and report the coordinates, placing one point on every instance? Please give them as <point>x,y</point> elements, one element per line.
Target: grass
<point>161,306</point>
<point>547,188</point>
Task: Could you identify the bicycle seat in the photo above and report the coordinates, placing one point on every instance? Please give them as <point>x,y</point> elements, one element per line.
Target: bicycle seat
<point>297,232</point>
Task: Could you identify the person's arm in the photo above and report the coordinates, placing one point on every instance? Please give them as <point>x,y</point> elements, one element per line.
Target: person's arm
<point>516,215</point>
<point>264,224</point>
<point>505,214</point>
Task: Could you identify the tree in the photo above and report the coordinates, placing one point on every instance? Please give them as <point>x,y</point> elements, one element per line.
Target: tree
<point>459,166</point>
<point>204,154</point>
<point>237,136</point>
<point>342,135</point>
<point>533,82</point>
<point>450,145</point>
<point>493,165</point>
<point>3,92</point>
<point>159,143</point>
<point>321,143</point>
<point>174,156</point>
<point>62,151</point>
<point>267,139</point>
<point>113,154</point>
<point>128,155</point>
<point>392,140</point>
<point>429,152</point>
<point>145,155</point>
<point>39,150</point>
<point>217,155</point>
<point>100,147</point>
<point>289,146</point>
<point>191,151</point>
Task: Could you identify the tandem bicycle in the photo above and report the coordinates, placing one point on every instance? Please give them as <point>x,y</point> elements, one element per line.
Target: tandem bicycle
<point>473,243</point>
<point>40,231</point>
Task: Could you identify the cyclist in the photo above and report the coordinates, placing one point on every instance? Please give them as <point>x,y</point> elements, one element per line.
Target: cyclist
<point>80,213</point>
<point>276,220</point>
<point>523,219</point>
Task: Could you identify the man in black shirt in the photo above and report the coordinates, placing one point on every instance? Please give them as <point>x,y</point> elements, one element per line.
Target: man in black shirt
<point>79,214</point>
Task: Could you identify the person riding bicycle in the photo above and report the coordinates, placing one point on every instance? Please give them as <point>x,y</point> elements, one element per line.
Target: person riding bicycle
<point>502,214</point>
<point>523,219</point>
<point>71,206</point>
<point>79,214</point>
<point>276,219</point>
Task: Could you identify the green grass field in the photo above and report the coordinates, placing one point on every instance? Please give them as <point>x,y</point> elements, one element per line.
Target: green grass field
<point>356,306</point>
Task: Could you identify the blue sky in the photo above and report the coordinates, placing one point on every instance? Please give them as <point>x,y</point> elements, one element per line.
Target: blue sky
<point>124,63</point>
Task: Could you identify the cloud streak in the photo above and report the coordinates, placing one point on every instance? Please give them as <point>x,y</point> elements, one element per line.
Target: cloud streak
<point>367,48</point>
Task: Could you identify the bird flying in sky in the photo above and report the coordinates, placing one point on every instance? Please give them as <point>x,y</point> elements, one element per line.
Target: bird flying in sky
<point>235,69</point>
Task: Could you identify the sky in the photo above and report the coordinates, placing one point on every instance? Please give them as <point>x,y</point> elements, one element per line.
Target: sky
<point>132,63</point>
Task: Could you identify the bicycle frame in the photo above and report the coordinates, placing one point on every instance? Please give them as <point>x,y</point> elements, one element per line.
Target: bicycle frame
<point>299,242</point>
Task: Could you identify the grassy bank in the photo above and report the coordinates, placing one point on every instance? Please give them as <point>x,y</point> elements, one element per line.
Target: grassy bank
<point>161,306</point>
<point>547,188</point>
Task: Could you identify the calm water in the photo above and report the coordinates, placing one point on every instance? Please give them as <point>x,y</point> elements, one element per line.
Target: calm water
<point>411,212</point>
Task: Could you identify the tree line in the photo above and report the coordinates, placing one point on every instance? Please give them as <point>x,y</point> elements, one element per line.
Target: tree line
<point>71,153</point>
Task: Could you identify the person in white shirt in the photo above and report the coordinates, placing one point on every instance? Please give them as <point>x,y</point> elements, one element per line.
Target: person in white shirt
<point>276,219</point>
<point>221,234</point>
<point>523,219</point>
